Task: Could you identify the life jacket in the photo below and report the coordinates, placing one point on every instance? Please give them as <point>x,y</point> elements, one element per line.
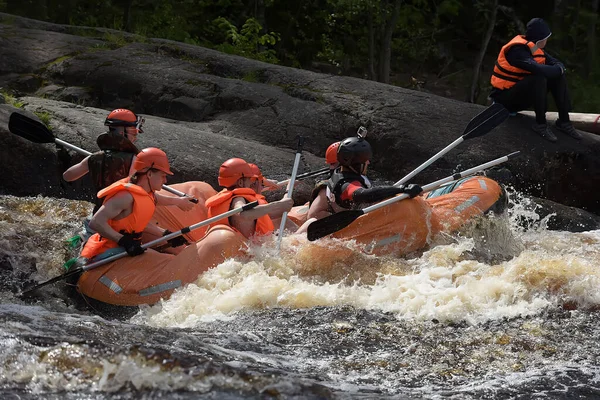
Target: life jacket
<point>221,203</point>
<point>336,183</point>
<point>143,208</point>
<point>505,75</point>
<point>113,162</point>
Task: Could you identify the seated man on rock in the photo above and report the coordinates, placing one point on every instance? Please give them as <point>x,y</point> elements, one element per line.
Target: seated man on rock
<point>523,75</point>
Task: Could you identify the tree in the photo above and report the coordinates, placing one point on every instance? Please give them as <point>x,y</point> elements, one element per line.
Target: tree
<point>484,45</point>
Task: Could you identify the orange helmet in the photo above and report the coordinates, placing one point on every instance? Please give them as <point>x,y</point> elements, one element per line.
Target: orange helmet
<point>152,158</point>
<point>331,153</point>
<point>258,174</point>
<point>123,117</point>
<point>256,171</point>
<point>232,170</point>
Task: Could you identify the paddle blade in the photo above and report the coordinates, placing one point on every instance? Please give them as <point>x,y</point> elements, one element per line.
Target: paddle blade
<point>30,129</point>
<point>486,120</point>
<point>332,224</point>
<point>30,291</point>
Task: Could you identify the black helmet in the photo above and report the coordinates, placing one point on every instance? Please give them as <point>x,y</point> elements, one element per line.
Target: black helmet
<point>354,150</point>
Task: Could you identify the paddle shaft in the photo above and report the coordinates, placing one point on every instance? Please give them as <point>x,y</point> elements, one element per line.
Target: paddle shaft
<point>441,182</point>
<point>430,161</point>
<point>481,124</point>
<point>306,175</point>
<point>290,190</point>
<point>180,232</point>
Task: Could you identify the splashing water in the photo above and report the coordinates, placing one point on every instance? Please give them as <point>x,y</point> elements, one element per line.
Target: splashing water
<point>494,309</point>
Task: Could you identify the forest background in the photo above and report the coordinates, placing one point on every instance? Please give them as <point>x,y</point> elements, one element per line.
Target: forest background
<point>446,47</point>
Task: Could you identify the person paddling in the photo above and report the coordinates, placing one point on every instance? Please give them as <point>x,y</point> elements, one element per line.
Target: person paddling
<point>238,178</point>
<point>348,187</point>
<point>116,158</point>
<point>324,208</point>
<point>127,208</point>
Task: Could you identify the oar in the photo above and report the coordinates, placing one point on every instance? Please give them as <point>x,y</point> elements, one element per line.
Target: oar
<point>290,190</point>
<point>183,231</point>
<point>481,124</point>
<point>306,175</point>
<point>335,222</point>
<point>35,131</point>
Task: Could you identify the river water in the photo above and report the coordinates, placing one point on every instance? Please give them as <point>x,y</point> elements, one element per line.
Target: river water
<point>503,309</point>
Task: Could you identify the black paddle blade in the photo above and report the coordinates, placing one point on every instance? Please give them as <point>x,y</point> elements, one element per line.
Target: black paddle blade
<point>29,291</point>
<point>486,120</point>
<point>332,224</point>
<point>30,129</point>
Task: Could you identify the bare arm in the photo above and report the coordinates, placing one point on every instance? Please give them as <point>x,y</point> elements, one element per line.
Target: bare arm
<point>245,225</point>
<point>245,222</point>
<point>320,206</point>
<point>77,171</point>
<point>183,203</point>
<point>273,210</point>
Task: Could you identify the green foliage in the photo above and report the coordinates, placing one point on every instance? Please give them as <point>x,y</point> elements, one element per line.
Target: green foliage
<point>438,38</point>
<point>12,100</point>
<point>248,42</point>
<point>114,41</point>
<point>44,117</point>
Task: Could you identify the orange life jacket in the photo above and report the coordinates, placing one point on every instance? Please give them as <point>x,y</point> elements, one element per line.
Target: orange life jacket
<point>143,208</point>
<point>221,203</point>
<point>505,75</point>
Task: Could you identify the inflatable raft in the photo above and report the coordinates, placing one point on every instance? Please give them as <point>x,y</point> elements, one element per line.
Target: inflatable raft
<point>410,224</point>
<point>147,278</point>
<point>397,229</point>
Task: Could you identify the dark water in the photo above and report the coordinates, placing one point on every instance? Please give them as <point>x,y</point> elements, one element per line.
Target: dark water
<point>500,312</point>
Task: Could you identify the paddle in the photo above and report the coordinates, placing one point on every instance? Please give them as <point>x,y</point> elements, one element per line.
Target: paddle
<point>481,124</point>
<point>306,175</point>
<point>34,131</point>
<point>144,246</point>
<point>290,190</point>
<point>335,222</point>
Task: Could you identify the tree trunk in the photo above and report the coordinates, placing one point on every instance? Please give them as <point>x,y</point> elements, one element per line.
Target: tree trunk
<point>259,13</point>
<point>372,74</point>
<point>127,16</point>
<point>591,53</point>
<point>484,44</point>
<point>574,23</point>
<point>385,58</point>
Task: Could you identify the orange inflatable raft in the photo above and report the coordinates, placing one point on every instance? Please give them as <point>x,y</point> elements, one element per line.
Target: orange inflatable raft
<point>410,224</point>
<point>149,277</point>
<point>173,218</point>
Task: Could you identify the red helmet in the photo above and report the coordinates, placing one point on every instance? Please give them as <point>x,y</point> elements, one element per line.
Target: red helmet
<point>152,158</point>
<point>123,117</point>
<point>331,153</point>
<point>232,170</point>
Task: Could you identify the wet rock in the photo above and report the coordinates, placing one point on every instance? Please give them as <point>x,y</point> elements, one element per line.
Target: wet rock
<point>228,105</point>
<point>565,218</point>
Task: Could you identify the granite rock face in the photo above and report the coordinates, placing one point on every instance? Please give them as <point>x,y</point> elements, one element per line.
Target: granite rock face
<point>203,107</point>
